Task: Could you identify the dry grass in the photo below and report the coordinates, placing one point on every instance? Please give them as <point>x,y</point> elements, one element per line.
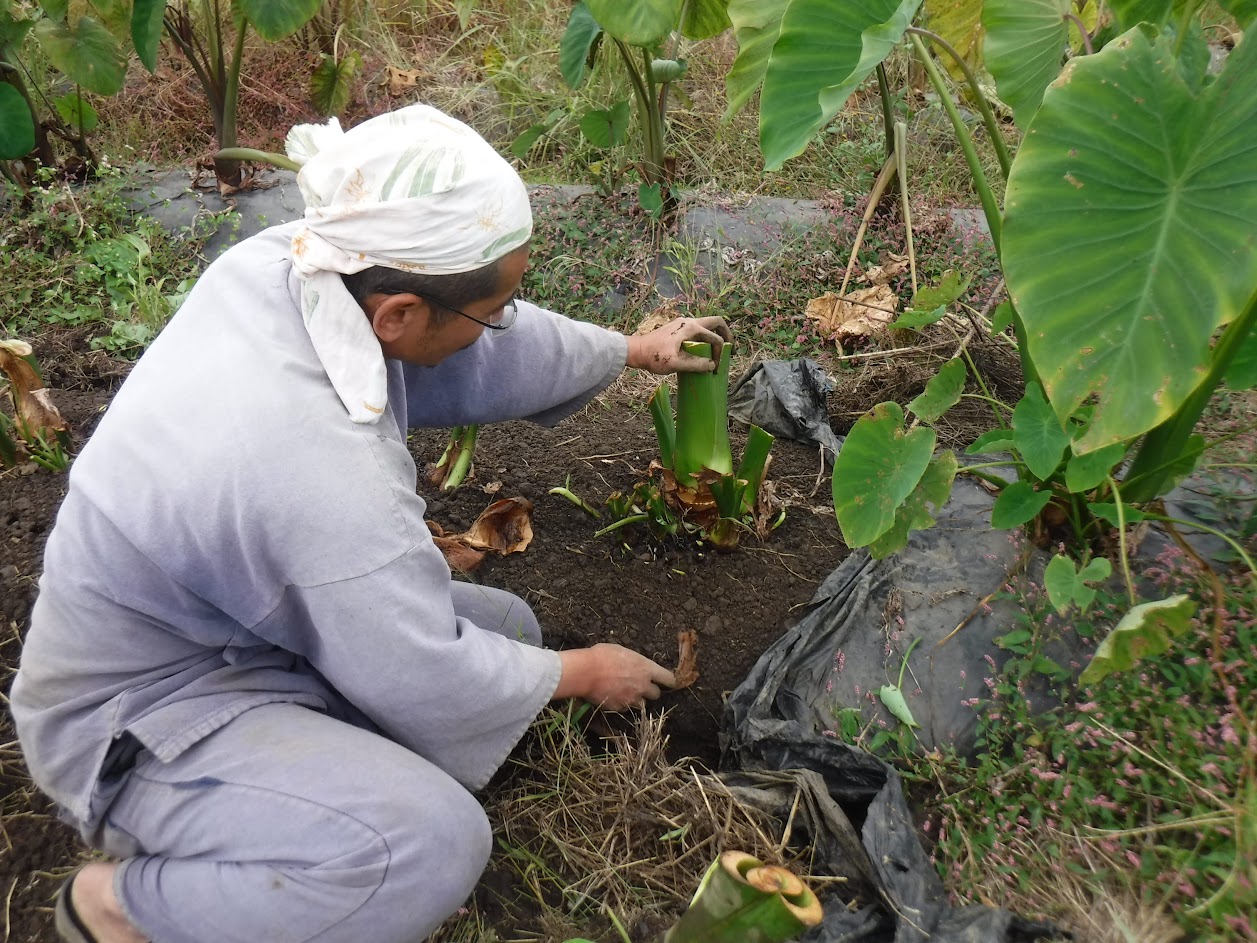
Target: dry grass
<point>902,376</point>
<point>1102,904</point>
<point>615,828</point>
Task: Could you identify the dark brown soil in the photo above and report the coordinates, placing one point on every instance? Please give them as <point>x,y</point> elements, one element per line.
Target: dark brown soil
<point>37,849</point>
<point>622,587</point>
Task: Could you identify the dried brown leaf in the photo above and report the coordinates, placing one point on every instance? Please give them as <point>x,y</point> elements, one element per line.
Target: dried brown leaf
<point>686,672</point>
<point>32,402</point>
<point>399,80</point>
<point>855,315</point>
<point>894,266</point>
<point>458,555</point>
<point>504,527</point>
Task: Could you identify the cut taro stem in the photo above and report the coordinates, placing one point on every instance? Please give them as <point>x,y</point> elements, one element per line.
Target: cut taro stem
<point>740,898</point>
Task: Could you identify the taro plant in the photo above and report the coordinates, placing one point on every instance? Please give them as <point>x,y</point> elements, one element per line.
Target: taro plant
<point>92,53</point>
<point>1125,242</point>
<point>699,485</point>
<point>85,50</point>
<point>646,35</point>
<point>451,469</point>
<point>211,37</point>
<point>332,81</point>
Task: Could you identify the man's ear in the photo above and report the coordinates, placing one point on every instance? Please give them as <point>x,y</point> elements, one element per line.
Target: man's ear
<point>393,315</point>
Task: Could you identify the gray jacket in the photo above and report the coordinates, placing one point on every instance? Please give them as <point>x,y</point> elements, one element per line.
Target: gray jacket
<point>230,539</point>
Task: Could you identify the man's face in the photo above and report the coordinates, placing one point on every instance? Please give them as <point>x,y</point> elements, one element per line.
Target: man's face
<point>427,334</point>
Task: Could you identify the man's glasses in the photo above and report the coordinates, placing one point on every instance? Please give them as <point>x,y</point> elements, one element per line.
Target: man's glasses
<point>500,320</point>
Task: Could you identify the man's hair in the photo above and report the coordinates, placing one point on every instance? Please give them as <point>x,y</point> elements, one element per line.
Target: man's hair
<point>455,290</point>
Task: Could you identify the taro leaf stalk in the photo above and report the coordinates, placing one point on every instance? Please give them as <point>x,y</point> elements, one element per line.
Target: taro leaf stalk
<point>455,462</point>
<point>700,482</point>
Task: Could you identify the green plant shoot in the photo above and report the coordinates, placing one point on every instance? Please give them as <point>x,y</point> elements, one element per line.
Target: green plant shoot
<point>701,484</point>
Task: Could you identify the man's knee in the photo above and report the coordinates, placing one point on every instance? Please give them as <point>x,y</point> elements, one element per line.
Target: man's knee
<point>438,852</point>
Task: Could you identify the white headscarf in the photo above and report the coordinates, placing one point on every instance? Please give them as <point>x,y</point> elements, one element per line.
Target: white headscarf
<point>414,190</point>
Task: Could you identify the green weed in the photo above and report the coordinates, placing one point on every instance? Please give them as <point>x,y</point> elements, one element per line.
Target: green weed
<point>79,256</point>
<point>1146,780</point>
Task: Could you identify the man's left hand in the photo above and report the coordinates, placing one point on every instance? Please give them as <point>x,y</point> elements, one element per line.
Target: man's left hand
<point>660,351</point>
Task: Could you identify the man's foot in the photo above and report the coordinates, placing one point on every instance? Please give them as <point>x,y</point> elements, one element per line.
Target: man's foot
<point>89,911</point>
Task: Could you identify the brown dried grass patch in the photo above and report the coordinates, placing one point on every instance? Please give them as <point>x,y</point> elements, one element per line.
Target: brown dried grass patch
<point>1096,898</point>
<point>901,376</point>
<point>616,827</point>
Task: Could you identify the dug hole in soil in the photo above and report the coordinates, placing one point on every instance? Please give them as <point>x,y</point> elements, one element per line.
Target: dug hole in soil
<point>622,587</point>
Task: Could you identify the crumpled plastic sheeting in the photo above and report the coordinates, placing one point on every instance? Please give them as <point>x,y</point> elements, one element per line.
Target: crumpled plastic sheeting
<point>849,643</point>
<point>786,398</point>
<point>882,865</point>
<point>863,618</point>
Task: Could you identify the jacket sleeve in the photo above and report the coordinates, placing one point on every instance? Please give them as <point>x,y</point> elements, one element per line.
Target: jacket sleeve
<point>544,368</point>
<point>389,641</point>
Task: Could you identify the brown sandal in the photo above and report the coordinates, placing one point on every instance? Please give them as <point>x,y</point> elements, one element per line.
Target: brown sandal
<point>70,926</point>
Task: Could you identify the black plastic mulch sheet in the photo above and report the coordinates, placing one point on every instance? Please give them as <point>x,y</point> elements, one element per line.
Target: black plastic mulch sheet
<point>787,399</point>
<point>779,728</point>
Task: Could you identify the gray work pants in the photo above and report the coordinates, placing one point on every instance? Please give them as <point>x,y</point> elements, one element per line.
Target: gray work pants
<point>289,826</point>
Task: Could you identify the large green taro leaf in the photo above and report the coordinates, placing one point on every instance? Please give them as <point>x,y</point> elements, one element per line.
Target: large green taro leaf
<point>86,52</point>
<point>146,29</point>
<point>576,44</point>
<point>878,467</point>
<point>918,509</point>
<point>825,50</point>
<point>1245,11</point>
<point>1242,374</point>
<point>1130,12</point>
<point>1129,230</point>
<point>12,31</point>
<point>55,9</point>
<point>704,18</point>
<point>1038,434</point>
<point>637,22</point>
<point>275,19</point>
<point>756,24</point>
<point>960,23</point>
<point>17,127</point>
<point>942,392</point>
<point>1025,45</point>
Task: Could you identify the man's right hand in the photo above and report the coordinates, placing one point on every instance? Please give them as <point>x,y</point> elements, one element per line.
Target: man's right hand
<point>611,676</point>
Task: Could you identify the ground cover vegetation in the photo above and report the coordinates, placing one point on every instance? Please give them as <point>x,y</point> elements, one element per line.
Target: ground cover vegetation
<point>1101,339</point>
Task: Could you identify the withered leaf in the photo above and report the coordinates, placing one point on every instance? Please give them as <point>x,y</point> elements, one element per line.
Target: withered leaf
<point>686,671</point>
<point>32,402</point>
<point>438,472</point>
<point>401,79</point>
<point>855,315</point>
<point>458,555</point>
<point>894,266</point>
<point>505,526</point>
